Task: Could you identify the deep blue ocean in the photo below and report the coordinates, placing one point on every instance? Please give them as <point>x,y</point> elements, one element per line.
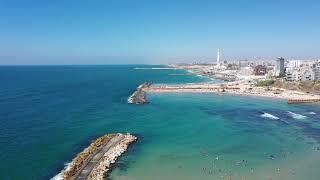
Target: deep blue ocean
<point>48,114</point>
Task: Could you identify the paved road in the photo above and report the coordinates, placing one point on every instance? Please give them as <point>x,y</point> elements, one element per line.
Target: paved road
<point>84,173</point>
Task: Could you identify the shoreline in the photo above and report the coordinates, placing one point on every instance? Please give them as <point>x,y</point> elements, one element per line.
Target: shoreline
<point>241,87</point>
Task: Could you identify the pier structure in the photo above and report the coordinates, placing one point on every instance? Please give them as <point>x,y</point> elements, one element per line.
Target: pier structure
<point>192,88</point>
<point>139,96</point>
<point>154,68</point>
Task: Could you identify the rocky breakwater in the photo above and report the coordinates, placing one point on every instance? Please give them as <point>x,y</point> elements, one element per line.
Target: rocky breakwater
<point>139,96</point>
<point>104,165</point>
<point>95,161</point>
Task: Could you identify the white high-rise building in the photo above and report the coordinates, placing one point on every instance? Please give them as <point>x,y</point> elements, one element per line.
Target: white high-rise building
<point>316,70</point>
<point>218,57</point>
<point>219,65</point>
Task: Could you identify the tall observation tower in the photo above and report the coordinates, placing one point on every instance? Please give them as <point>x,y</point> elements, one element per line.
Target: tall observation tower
<point>218,57</point>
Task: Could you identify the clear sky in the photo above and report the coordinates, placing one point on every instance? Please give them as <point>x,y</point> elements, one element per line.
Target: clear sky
<point>154,31</point>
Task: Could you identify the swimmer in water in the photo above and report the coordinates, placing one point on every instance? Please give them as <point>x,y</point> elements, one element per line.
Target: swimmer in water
<point>272,157</point>
<point>204,169</point>
<point>292,171</point>
<point>251,170</point>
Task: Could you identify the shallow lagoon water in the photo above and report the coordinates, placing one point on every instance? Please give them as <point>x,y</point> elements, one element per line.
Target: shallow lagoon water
<point>49,114</point>
<point>205,136</point>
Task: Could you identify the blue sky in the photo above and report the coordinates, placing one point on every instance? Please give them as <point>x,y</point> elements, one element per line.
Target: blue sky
<point>155,31</point>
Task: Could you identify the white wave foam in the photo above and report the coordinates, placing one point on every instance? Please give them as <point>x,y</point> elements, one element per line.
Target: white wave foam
<point>270,116</point>
<point>59,176</point>
<point>296,116</point>
<point>130,100</point>
<point>311,113</point>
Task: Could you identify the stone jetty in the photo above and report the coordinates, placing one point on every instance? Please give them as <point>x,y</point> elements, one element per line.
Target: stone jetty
<point>95,162</point>
<point>139,96</point>
<point>300,101</point>
<point>237,88</point>
<point>154,68</point>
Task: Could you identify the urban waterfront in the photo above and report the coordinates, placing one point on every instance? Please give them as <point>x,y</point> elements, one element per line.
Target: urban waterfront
<point>49,114</point>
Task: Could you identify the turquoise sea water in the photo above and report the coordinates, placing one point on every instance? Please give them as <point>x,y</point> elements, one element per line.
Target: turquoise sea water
<point>50,113</point>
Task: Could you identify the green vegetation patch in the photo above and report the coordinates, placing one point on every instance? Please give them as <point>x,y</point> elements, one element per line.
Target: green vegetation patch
<point>265,82</point>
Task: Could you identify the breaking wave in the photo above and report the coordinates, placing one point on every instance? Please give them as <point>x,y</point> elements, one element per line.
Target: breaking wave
<point>270,116</point>
<point>313,113</point>
<point>296,116</point>
<point>60,175</point>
